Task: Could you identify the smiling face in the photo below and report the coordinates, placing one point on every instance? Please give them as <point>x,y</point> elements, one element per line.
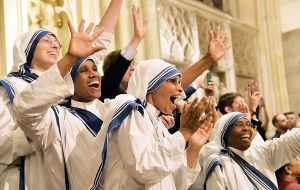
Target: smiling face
<point>163,97</point>
<point>241,134</point>
<point>87,83</point>
<point>46,54</point>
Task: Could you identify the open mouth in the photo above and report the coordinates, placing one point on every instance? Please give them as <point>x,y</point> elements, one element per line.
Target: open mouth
<point>174,99</point>
<point>94,84</point>
<point>245,137</point>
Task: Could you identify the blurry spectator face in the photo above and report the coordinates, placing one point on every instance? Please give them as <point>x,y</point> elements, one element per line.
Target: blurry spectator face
<point>281,122</point>
<point>291,120</point>
<point>241,134</point>
<point>236,104</point>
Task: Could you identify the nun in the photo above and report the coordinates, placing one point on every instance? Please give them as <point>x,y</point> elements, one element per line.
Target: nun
<point>34,52</point>
<point>232,161</point>
<point>141,153</point>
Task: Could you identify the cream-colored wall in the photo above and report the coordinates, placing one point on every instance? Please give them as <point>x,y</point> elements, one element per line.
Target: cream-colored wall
<point>290,15</point>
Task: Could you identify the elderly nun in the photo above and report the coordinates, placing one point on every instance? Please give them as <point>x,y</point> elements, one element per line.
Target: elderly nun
<point>34,52</point>
<point>141,153</point>
<point>232,161</point>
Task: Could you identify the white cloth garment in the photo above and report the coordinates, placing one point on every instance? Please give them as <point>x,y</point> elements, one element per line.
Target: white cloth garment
<point>142,154</point>
<point>82,150</point>
<point>13,142</point>
<point>266,157</point>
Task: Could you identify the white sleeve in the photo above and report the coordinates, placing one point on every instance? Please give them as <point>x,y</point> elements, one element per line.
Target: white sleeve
<point>13,142</point>
<point>280,151</point>
<point>32,106</point>
<point>216,180</point>
<point>145,160</point>
<point>104,39</point>
<point>184,176</point>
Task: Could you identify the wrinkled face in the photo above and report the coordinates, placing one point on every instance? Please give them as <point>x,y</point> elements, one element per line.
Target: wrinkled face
<point>126,77</point>
<point>47,53</point>
<point>87,83</point>
<point>291,120</point>
<point>163,98</point>
<point>281,122</point>
<point>241,134</point>
<point>236,103</point>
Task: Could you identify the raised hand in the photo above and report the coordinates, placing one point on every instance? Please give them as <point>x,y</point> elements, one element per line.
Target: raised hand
<point>139,28</point>
<point>200,137</point>
<point>190,119</point>
<point>139,25</point>
<point>81,41</point>
<point>254,99</point>
<point>217,45</point>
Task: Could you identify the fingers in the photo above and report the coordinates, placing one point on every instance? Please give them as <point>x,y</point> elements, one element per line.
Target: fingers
<point>71,27</point>
<point>211,35</point>
<point>81,25</point>
<point>98,33</point>
<point>89,28</point>
<point>98,48</point>
<point>217,33</point>
<point>168,121</point>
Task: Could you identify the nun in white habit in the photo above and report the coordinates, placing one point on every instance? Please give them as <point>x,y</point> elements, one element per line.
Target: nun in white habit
<point>15,146</point>
<point>72,137</point>
<point>232,161</point>
<point>142,154</point>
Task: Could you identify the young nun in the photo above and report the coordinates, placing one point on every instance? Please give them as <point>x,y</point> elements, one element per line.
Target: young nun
<point>34,52</point>
<point>142,154</point>
<point>76,132</point>
<point>231,161</point>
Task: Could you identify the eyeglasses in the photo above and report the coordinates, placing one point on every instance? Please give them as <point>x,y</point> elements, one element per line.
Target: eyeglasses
<point>50,42</point>
<point>175,81</point>
<point>241,125</point>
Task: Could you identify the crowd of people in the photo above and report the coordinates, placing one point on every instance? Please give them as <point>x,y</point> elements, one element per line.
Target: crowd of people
<point>63,126</point>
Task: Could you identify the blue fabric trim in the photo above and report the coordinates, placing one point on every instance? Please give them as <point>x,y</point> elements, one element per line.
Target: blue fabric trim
<point>162,77</point>
<point>116,121</point>
<point>67,181</point>
<point>189,91</point>
<point>22,174</point>
<point>29,52</point>
<point>251,172</point>
<point>24,73</point>
<point>214,163</point>
<point>90,120</point>
<point>227,127</point>
<point>76,66</point>
<point>9,89</point>
<point>11,94</point>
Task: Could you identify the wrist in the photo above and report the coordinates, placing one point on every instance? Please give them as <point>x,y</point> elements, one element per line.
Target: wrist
<point>208,60</point>
<point>185,133</point>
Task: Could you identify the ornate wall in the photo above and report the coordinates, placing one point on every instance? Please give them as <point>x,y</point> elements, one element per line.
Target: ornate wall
<point>177,31</point>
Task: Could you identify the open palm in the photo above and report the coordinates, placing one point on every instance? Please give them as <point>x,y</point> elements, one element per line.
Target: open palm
<point>81,41</point>
<point>217,45</point>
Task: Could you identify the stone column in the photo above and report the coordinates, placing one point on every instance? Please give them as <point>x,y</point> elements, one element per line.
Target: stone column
<point>152,41</point>
<point>271,57</point>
